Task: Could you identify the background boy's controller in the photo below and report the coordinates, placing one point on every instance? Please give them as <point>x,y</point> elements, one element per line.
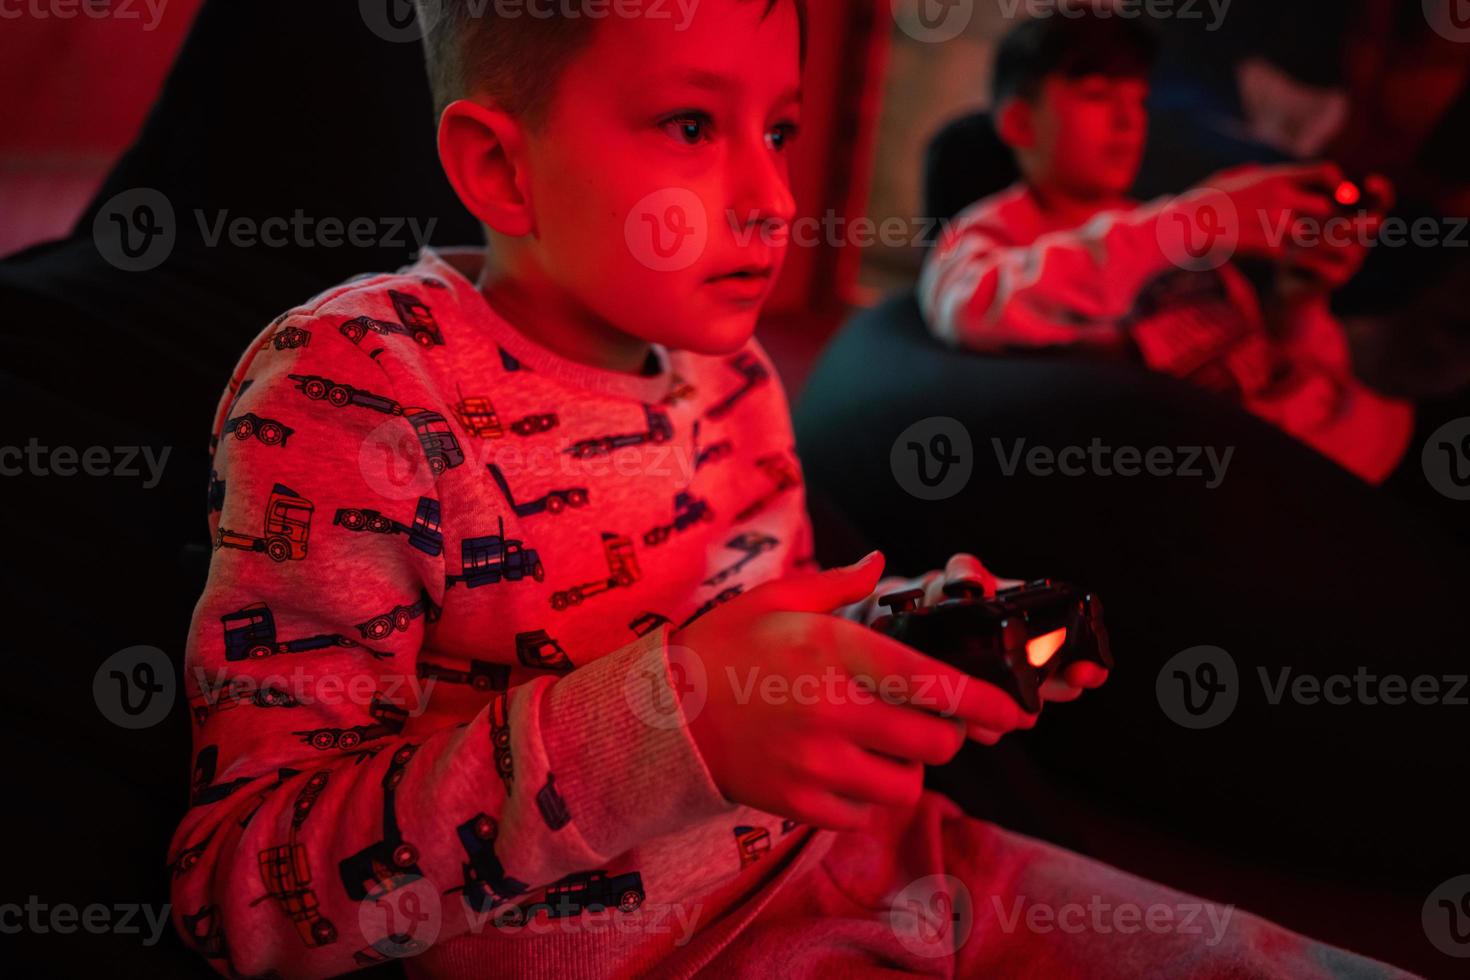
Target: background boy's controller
<point>1017,639</point>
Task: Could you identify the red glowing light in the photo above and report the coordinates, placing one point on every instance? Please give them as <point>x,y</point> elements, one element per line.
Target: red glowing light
<point>1348,194</point>
<point>1040,649</point>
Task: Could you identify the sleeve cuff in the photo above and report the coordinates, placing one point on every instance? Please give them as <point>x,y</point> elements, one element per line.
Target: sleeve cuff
<point>617,738</point>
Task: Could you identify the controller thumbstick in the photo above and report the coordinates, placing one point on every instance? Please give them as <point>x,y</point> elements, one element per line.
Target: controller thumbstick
<point>902,602</point>
<point>965,590</point>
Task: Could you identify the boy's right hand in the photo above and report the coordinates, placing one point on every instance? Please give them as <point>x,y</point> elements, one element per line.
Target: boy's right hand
<point>822,747</point>
<point>1268,199</point>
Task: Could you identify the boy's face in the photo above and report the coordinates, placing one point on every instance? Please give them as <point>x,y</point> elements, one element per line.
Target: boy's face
<point>1087,134</point>
<point>659,180</point>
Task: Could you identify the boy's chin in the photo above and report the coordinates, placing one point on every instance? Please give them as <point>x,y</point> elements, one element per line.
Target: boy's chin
<point>714,332</point>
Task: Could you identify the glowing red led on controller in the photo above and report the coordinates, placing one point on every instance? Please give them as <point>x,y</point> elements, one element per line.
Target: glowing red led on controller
<point>1348,194</point>
<point>1040,649</point>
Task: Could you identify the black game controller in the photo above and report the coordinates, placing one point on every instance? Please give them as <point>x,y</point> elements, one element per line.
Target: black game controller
<point>1017,639</point>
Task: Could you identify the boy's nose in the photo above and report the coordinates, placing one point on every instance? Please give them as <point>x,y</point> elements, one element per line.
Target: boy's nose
<point>761,187</point>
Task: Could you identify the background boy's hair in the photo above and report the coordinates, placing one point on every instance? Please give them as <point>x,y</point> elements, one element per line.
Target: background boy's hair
<point>514,60</point>
<point>1077,39</point>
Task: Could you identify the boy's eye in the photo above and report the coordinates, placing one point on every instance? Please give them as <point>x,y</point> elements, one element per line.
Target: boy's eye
<point>690,128</point>
<point>781,135</point>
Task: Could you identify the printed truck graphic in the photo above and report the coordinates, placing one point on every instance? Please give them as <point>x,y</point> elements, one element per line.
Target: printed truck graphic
<point>537,650</point>
<point>752,842</point>
<point>287,338</point>
<point>753,544</point>
<point>440,446</point>
<point>286,872</point>
<point>710,606</point>
<point>588,891</point>
<point>478,417</point>
<point>287,528</point>
<point>267,431</point>
<point>239,691</point>
<point>485,880</point>
<point>418,322</point>
<point>400,618</point>
<point>553,502</point>
<point>387,719</point>
<point>660,430</point>
<point>784,477</point>
<point>425,534</point>
<point>622,571</point>
<point>482,675</point>
<point>391,862</point>
<point>250,634</point>
<point>754,373</point>
<point>688,511</point>
<point>492,560</point>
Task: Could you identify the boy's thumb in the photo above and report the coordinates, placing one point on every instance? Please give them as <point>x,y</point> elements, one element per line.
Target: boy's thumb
<point>823,591</point>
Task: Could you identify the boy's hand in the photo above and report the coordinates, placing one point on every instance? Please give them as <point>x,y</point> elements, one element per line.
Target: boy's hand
<point>825,747</point>
<point>1317,267</point>
<point>1268,200</point>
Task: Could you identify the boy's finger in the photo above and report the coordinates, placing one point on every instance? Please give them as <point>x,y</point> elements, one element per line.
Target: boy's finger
<point>968,568</point>
<point>821,592</point>
<point>931,685</point>
<point>1086,675</point>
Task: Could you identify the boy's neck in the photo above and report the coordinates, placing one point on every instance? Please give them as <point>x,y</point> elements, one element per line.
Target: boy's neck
<point>1070,210</point>
<point>565,328</point>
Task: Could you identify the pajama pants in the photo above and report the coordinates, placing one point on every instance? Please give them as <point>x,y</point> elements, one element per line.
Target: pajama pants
<point>932,892</point>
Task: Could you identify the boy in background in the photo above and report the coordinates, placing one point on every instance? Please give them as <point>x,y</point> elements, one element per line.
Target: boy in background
<point>1066,258</point>
<point>504,539</point>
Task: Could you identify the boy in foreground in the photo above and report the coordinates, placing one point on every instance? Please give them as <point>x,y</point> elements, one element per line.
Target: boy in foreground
<point>510,546</point>
<point>1066,258</point>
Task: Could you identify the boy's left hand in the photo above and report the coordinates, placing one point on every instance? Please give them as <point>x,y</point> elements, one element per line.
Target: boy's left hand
<point>967,568</point>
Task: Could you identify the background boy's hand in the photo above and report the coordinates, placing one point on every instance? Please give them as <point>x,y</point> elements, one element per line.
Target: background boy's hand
<point>827,748</point>
<point>1269,199</point>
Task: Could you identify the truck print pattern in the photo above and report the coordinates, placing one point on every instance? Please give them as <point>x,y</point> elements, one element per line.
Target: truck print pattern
<point>425,533</point>
<point>356,573</point>
<point>285,871</point>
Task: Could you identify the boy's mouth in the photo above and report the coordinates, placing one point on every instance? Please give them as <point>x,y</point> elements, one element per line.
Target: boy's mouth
<point>754,273</point>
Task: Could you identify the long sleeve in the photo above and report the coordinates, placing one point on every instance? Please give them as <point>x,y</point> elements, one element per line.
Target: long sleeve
<point>324,779</point>
<point>994,283</point>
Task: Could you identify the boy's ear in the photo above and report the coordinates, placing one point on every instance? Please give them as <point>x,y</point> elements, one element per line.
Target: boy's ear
<point>483,153</point>
<point>1015,124</point>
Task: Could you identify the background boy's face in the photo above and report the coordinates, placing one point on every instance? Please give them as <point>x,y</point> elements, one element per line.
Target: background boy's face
<point>1088,134</point>
<point>659,181</point>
